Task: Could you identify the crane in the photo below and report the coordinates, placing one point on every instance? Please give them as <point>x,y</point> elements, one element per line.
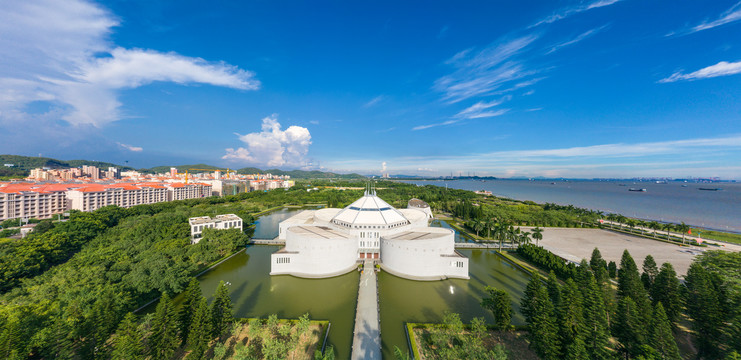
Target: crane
<point>209,170</point>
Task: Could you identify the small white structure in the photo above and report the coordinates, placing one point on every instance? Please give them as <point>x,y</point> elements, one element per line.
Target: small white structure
<point>226,221</point>
<point>329,242</point>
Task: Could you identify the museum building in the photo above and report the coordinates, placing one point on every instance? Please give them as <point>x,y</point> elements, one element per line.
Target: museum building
<point>330,242</point>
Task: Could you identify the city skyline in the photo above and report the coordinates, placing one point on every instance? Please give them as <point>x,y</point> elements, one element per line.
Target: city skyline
<point>578,89</point>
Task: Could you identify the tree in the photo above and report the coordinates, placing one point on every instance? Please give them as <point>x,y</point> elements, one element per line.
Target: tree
<point>571,322</point>
<point>684,229</point>
<point>554,289</point>
<point>666,290</point>
<point>704,308</point>
<point>630,284</point>
<point>164,341</point>
<point>612,269</point>
<point>127,345</point>
<point>537,235</point>
<point>538,311</point>
<point>629,327</point>
<point>191,301</point>
<point>596,322</point>
<point>200,332</point>
<point>498,302</point>
<point>662,338</point>
<point>221,311</point>
<point>650,271</point>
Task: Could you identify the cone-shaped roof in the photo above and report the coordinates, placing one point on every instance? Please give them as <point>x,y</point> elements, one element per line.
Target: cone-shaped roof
<point>370,210</point>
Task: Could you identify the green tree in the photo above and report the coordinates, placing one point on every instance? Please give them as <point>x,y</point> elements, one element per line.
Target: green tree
<point>537,235</point>
<point>596,323</point>
<point>164,340</point>
<point>650,271</point>
<point>221,311</point>
<point>612,269</point>
<point>571,322</point>
<point>703,306</point>
<point>662,338</point>
<point>629,327</point>
<point>539,314</point>
<point>200,331</point>
<point>666,290</point>
<point>630,285</point>
<point>191,301</point>
<point>127,345</point>
<point>554,289</point>
<point>498,302</point>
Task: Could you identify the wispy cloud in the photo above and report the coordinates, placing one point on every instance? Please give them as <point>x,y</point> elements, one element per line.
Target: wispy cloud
<point>668,158</point>
<point>722,68</point>
<point>61,54</point>
<point>583,36</point>
<point>373,101</point>
<point>482,109</point>
<point>422,127</point>
<point>729,16</point>
<point>485,71</point>
<point>568,11</point>
<point>131,148</point>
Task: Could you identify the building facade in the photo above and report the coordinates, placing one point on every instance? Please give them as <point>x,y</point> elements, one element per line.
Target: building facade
<point>221,222</point>
<point>330,242</point>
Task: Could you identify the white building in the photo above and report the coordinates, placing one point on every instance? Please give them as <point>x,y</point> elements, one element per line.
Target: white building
<point>330,242</point>
<point>222,222</point>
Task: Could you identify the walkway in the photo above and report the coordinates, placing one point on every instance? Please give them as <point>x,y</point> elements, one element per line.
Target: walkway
<point>478,245</point>
<point>366,342</point>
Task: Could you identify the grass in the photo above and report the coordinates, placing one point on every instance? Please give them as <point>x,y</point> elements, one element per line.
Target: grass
<point>243,336</point>
<point>514,342</point>
<point>717,235</point>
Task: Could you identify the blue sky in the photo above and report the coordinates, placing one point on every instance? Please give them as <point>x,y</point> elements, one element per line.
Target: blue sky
<point>593,88</point>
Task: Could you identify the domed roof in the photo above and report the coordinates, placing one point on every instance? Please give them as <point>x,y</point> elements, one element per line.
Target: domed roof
<point>369,210</point>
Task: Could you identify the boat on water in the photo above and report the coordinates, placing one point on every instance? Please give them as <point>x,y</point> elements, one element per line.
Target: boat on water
<point>684,185</point>
<point>637,189</point>
<point>710,189</point>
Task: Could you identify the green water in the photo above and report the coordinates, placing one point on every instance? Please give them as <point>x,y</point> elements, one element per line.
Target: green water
<point>420,301</point>
<point>255,293</point>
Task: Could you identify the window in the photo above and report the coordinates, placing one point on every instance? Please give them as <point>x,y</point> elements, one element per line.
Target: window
<point>283,260</point>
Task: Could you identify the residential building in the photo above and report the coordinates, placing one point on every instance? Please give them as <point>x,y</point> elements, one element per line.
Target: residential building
<point>222,222</point>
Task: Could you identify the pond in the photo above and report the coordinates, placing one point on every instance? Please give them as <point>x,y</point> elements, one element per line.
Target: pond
<point>255,293</point>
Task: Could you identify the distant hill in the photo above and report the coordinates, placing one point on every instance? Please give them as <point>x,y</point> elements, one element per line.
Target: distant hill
<point>23,164</point>
<point>181,168</point>
<point>294,174</point>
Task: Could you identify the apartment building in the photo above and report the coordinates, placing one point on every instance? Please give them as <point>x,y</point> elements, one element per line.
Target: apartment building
<point>198,224</point>
<point>93,197</point>
<point>180,191</point>
<point>24,201</point>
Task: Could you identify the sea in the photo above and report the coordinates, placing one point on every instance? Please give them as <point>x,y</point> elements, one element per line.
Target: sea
<point>672,201</point>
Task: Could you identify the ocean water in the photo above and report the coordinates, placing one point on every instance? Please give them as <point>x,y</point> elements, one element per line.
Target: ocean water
<point>670,202</point>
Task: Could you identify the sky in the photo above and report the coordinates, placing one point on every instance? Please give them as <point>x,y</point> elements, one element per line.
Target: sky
<point>580,89</point>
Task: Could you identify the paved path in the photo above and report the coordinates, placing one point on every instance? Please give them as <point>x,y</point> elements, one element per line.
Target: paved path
<point>491,245</point>
<point>366,342</point>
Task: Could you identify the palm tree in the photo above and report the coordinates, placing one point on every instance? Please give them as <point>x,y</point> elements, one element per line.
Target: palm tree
<point>653,225</point>
<point>477,226</point>
<point>667,227</point>
<point>525,237</point>
<point>490,224</point>
<point>631,223</point>
<point>683,228</point>
<point>537,235</point>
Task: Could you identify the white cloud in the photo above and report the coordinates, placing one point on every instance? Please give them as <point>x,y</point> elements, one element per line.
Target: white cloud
<point>566,12</point>
<point>730,15</point>
<point>373,101</point>
<point>383,166</point>
<point>131,148</point>
<point>273,146</point>
<point>481,109</point>
<point>59,52</point>
<point>583,36</point>
<point>422,127</point>
<point>701,157</point>
<point>484,72</point>
<point>722,68</point>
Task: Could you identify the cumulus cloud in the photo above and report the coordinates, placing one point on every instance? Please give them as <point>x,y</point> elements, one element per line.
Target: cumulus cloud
<point>722,68</point>
<point>131,148</point>
<point>59,52</point>
<point>273,146</point>
<point>383,166</point>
